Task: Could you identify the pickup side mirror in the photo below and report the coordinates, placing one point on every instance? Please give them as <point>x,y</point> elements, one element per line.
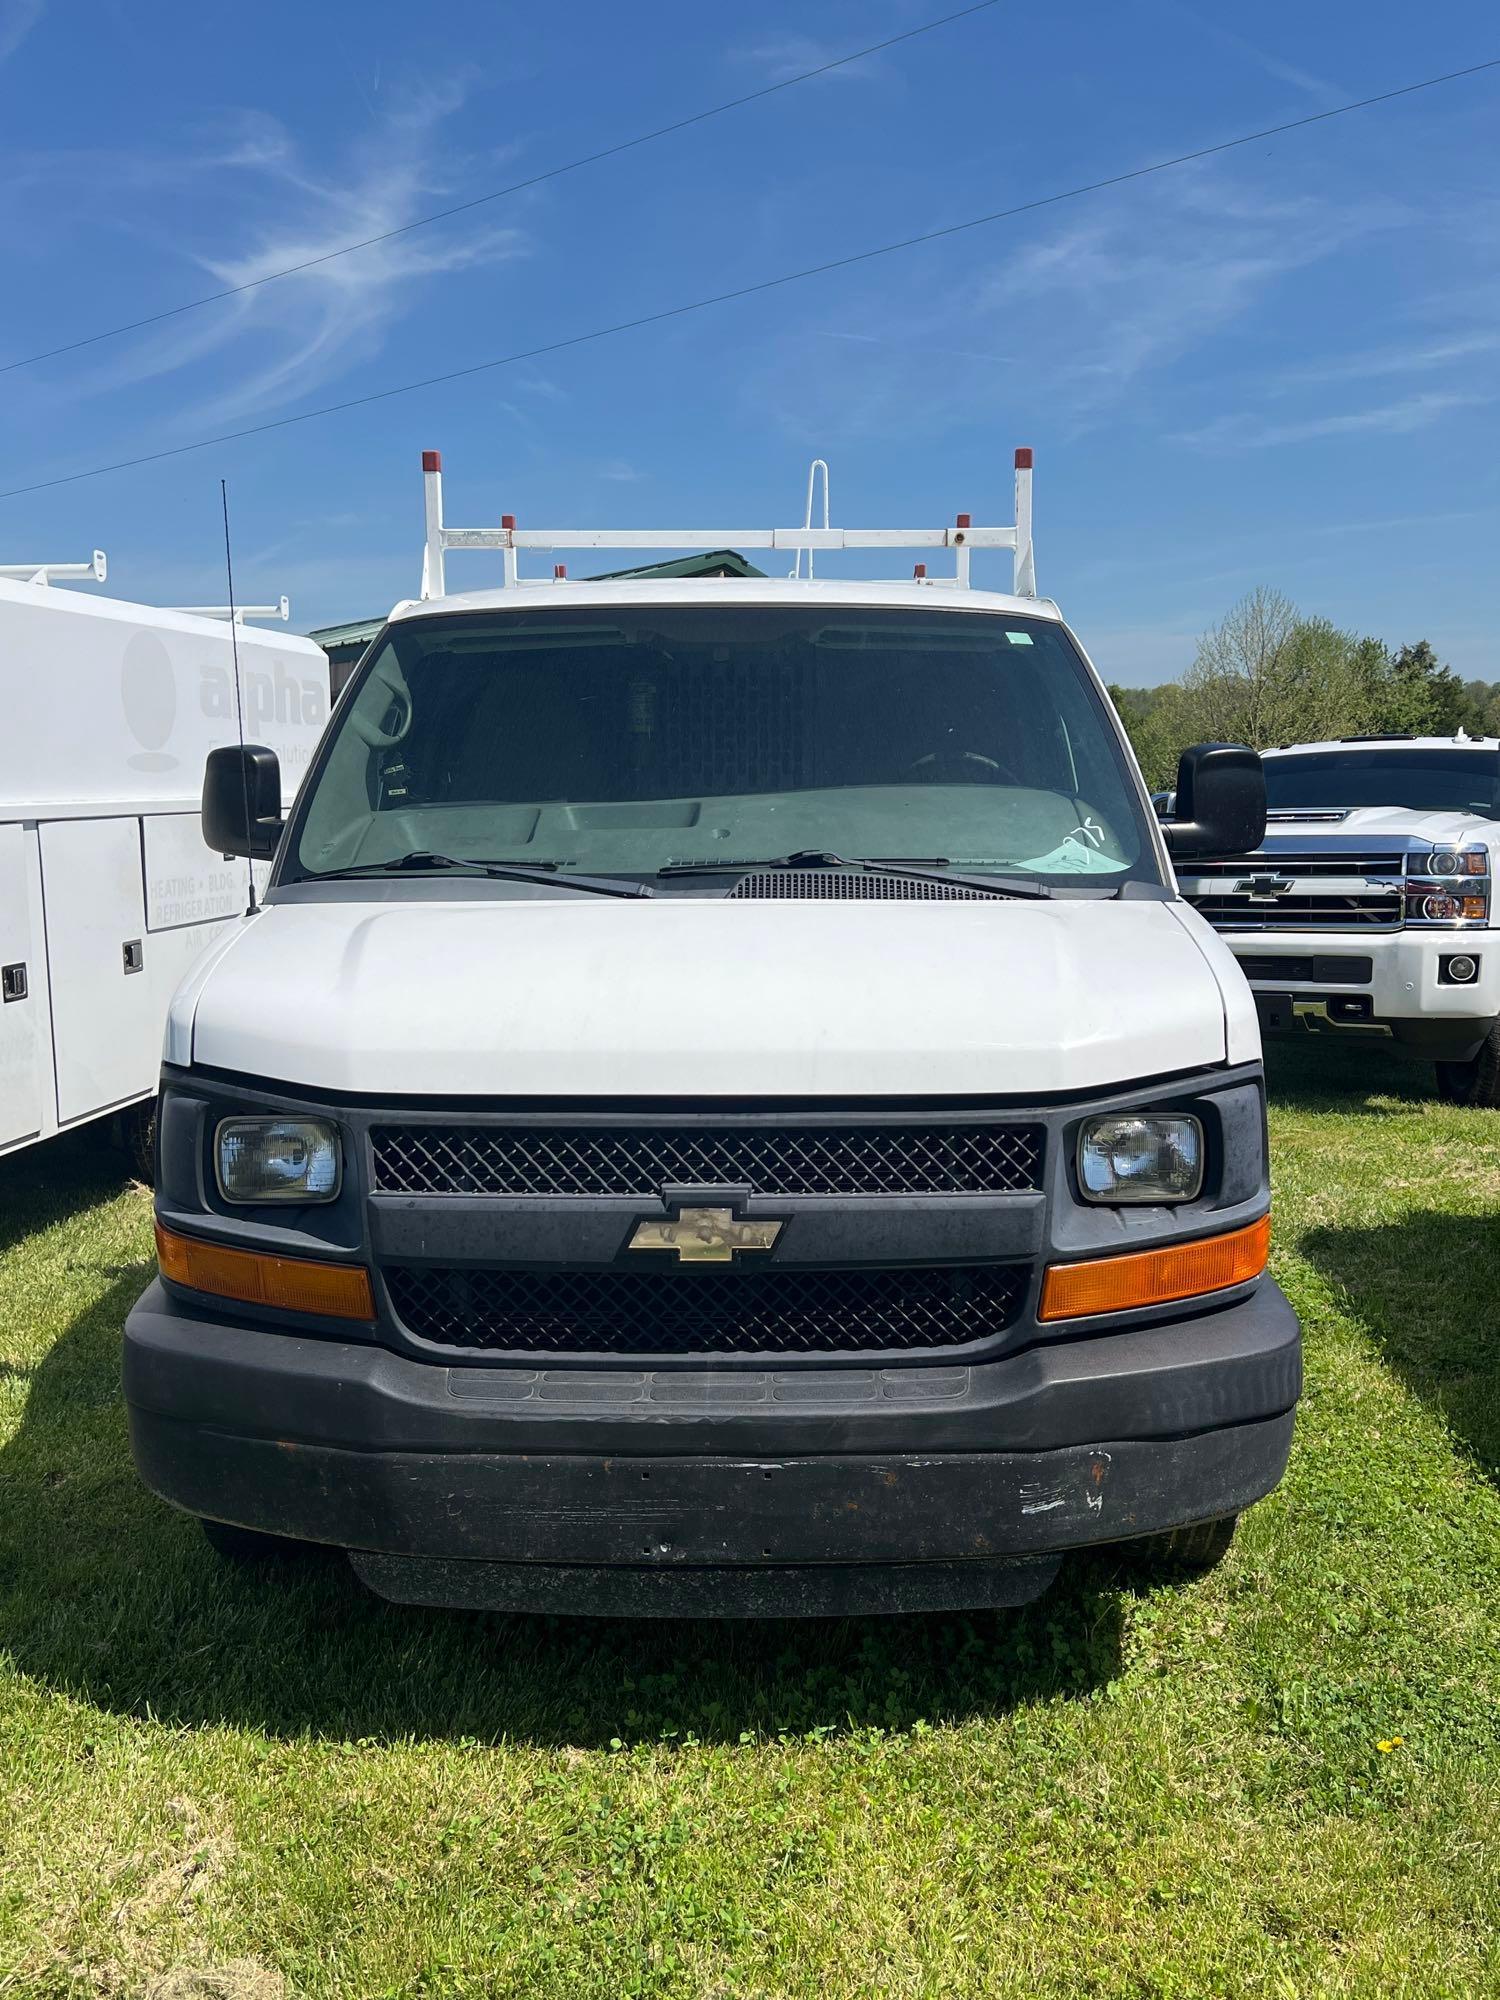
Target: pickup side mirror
<point>242,800</point>
<point>1221,801</point>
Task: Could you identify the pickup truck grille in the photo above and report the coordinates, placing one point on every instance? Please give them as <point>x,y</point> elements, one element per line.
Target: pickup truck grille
<point>1300,892</point>
<point>787,1159</point>
<point>1300,913</point>
<point>700,1312</point>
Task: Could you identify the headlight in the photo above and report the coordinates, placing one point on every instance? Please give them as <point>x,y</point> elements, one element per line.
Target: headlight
<point>1140,1157</point>
<point>278,1159</point>
<point>1441,886</point>
<point>1450,861</point>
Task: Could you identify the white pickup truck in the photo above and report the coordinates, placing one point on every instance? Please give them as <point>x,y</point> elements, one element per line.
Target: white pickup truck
<point>1369,913</point>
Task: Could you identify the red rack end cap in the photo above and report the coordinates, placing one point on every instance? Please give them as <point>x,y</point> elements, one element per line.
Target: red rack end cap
<point>919,570</point>
<point>962,521</point>
<point>432,461</point>
<point>1023,458</point>
<point>560,572</point>
<point>507,521</point>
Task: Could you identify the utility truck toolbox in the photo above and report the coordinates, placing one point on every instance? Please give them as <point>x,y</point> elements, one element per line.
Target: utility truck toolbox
<point>722,1109</point>
<point>107,890</point>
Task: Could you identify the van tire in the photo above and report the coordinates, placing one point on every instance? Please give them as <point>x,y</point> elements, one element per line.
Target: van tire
<point>1191,1551</point>
<point>1476,1081</point>
<point>138,1137</point>
<point>248,1545</point>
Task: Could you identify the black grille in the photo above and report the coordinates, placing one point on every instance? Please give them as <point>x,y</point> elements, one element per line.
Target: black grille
<point>1299,865</point>
<point>699,1312</point>
<point>1302,913</point>
<point>1326,971</point>
<point>831,884</point>
<point>641,1160</point>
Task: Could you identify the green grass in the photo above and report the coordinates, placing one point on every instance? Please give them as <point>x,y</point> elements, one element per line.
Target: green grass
<point>219,1783</point>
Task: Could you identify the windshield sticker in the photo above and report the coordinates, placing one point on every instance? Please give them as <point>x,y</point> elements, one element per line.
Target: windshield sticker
<point>1019,638</point>
<point>1074,857</point>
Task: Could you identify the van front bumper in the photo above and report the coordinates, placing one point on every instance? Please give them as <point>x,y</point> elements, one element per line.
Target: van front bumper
<point>717,1493</point>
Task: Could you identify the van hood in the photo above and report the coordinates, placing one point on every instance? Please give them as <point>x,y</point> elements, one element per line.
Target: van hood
<point>705,998</point>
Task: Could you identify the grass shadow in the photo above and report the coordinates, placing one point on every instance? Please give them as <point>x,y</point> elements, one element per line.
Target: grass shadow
<point>1323,1073</point>
<point>1424,1286</point>
<point>112,1597</point>
<point>56,1178</point>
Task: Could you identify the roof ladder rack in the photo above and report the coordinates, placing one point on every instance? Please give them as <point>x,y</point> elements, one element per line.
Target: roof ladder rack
<point>510,540</point>
<point>281,610</point>
<point>93,571</point>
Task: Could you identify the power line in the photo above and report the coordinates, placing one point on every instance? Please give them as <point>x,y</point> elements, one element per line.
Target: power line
<point>499,194</point>
<point>762,285</point>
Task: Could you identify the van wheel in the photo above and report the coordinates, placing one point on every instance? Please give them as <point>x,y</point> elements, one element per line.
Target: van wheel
<point>1476,1081</point>
<point>248,1545</point>
<point>1189,1551</point>
<point>138,1137</point>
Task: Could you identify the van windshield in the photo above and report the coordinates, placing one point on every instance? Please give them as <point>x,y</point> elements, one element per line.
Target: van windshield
<point>625,741</point>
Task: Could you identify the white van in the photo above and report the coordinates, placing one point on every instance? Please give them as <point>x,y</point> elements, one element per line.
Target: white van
<point>107,891</point>
<point>879,1214</point>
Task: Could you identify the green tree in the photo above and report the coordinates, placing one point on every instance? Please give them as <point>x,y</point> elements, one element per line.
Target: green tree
<point>1426,698</point>
<point>1268,675</point>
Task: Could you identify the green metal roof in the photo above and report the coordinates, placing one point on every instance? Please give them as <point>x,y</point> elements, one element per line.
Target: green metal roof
<point>716,562</point>
<point>358,634</point>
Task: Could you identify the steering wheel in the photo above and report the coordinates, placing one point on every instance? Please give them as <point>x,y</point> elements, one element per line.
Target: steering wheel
<point>965,767</point>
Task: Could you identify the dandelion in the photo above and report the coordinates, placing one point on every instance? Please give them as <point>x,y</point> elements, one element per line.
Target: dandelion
<point>1389,1743</point>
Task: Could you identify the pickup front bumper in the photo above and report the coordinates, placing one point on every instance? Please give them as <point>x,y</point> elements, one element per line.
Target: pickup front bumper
<point>1388,984</point>
<point>695,1491</point>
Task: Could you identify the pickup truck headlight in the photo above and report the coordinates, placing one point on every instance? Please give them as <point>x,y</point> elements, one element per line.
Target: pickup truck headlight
<point>1442,886</point>
<point>1141,1157</point>
<point>278,1159</point>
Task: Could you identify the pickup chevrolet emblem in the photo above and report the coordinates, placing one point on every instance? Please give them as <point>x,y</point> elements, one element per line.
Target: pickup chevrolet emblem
<point>704,1235</point>
<point>1264,888</point>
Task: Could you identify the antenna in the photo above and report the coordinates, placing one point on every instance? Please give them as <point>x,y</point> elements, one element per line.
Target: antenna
<point>239,705</point>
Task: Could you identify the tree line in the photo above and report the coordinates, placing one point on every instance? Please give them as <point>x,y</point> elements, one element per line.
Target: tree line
<point>1270,675</point>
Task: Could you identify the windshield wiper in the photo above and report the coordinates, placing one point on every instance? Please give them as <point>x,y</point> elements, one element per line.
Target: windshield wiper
<point>423,861</point>
<point>934,868</point>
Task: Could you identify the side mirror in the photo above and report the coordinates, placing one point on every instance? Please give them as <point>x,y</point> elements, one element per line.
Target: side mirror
<point>1221,801</point>
<point>242,800</point>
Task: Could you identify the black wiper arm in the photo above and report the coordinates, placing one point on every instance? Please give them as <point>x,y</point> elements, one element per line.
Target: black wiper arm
<point>423,861</point>
<point>937,870</point>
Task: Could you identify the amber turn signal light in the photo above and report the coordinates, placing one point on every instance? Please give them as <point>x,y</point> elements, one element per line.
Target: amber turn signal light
<point>292,1284</point>
<point>1156,1277</point>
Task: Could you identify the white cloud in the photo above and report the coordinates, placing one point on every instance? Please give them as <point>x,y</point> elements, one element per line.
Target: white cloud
<point>17,19</point>
<point>1413,358</point>
<point>1080,323</point>
<point>1246,431</point>
<point>279,342</point>
<point>1273,65</point>
<point>781,57</point>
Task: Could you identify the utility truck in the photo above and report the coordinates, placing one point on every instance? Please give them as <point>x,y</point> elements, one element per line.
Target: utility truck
<point>107,890</point>
<point>1368,914</point>
<point>722,1109</point>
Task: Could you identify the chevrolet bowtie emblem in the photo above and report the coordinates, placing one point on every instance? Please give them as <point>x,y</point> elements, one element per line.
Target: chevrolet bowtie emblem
<point>705,1235</point>
<point>1264,888</point>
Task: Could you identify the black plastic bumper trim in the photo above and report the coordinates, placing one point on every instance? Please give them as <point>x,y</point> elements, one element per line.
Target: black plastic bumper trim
<point>1232,1364</point>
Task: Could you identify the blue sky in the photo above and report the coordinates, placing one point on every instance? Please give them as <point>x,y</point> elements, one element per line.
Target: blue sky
<point>1281,366</point>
